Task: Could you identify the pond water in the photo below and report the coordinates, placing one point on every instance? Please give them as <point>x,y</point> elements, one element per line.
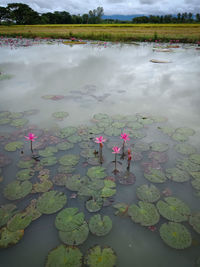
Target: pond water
<point>67,95</point>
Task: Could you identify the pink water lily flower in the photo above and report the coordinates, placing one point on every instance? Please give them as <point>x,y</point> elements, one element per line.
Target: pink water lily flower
<point>125,137</point>
<point>31,137</point>
<point>116,150</point>
<point>99,140</point>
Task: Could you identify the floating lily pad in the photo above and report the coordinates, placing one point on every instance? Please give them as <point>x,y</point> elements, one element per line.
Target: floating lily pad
<point>175,235</point>
<point>185,131</point>
<point>64,256</point>
<point>158,119</point>
<point>108,189</point>
<point>177,175</point>
<point>130,118</point>
<point>160,147</point>
<point>141,147</point>
<point>4,121</point>
<point>17,190</point>
<point>95,130</point>
<point>64,146</point>
<point>48,161</point>
<point>96,172</point>
<point>19,122</point>
<point>66,132</point>
<point>8,238</point>
<point>51,202</point>
<point>167,130</point>
<point>137,135</point>
<point>32,210</point>
<point>88,153</point>
<point>94,205</point>
<point>16,115</point>
<point>69,160</point>
<point>6,212</point>
<point>31,112</point>
<point>74,139</point>
<point>126,178</point>
<point>13,146</point>
<point>93,161</point>
<point>173,209</point>
<point>25,174</point>
<point>196,183</point>
<point>160,157</point>
<point>100,226</point>
<point>194,221</point>
<point>122,209</point>
<point>75,237</point>
<point>186,165</point>
<point>135,125</point>
<point>119,117</point>
<point>75,182</point>
<point>195,158</point>
<point>48,151</point>
<point>179,137</point>
<point>5,77</point>
<point>42,187</point>
<point>66,169</point>
<point>155,176</point>
<point>185,149</point>
<point>60,179</point>
<point>25,164</point>
<point>97,257</point>
<point>111,131</point>
<point>149,193</point>
<point>19,222</point>
<point>118,124</point>
<point>69,219</point>
<point>60,115</point>
<point>145,120</point>
<point>146,214</point>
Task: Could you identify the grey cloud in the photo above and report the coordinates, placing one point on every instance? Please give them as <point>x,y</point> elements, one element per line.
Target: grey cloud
<point>148,2</point>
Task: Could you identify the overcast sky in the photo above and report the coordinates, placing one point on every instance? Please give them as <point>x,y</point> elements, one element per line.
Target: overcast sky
<point>122,7</point>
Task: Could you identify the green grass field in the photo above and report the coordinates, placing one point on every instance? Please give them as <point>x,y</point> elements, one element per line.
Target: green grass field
<point>109,32</point>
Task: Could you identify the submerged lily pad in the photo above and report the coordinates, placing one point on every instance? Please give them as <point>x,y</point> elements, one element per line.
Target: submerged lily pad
<point>160,157</point>
<point>173,209</point>
<point>8,238</point>
<point>160,147</point>
<point>48,151</point>
<point>126,178</point>
<point>100,226</point>
<point>51,202</point>
<point>177,175</point>
<point>17,190</point>
<point>175,235</point>
<point>195,158</point>
<point>6,212</point>
<point>96,172</point>
<point>194,221</point>
<point>13,146</point>
<point>186,165</point>
<point>60,115</point>
<point>69,160</point>
<point>25,174</point>
<point>66,132</point>
<point>69,219</point>
<point>93,205</point>
<point>185,149</point>
<point>149,193</point>
<point>60,179</point>
<point>48,161</point>
<point>19,122</point>
<point>155,176</point>
<point>64,256</point>
<point>19,222</point>
<point>75,237</point>
<point>97,257</point>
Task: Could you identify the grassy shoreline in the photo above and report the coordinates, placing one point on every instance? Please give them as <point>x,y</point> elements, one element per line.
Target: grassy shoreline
<point>186,33</point>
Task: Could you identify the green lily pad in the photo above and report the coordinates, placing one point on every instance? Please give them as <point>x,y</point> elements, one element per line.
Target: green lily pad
<point>74,139</point>
<point>119,117</point>
<point>135,125</point>
<point>130,118</point>
<point>69,219</point>
<point>118,124</point>
<point>48,161</point>
<point>141,147</point>
<point>95,130</point>
<point>69,160</point>
<point>111,131</point>
<point>122,209</point>
<point>5,77</point>
<point>195,158</point>
<point>51,202</point>
<point>146,214</point>
<point>75,182</point>
<point>66,132</point>
<point>175,235</point>
<point>32,210</point>
<point>60,179</point>
<point>86,144</point>
<point>19,222</point>
<point>96,172</point>
<point>155,176</point>
<point>25,174</point>
<point>177,175</point>
<point>179,137</point>
<point>158,119</point>
<point>19,122</point>
<point>173,209</point>
<point>43,186</point>
<point>194,221</point>
<point>149,193</point>
<point>6,212</point>
<point>94,205</point>
<point>97,257</point>
<point>185,149</point>
<point>196,183</point>
<point>17,190</point>
<point>60,115</point>
<point>64,146</point>
<point>88,153</point>
<point>4,121</point>
<point>145,120</point>
<point>48,151</point>
<point>100,116</point>
<point>137,135</point>
<point>75,237</point>
<point>13,146</point>
<point>160,147</point>
<point>185,131</point>
<point>8,238</point>
<point>186,165</point>
<point>64,256</point>
<point>109,189</point>
<point>100,226</point>
<point>26,164</point>
<point>4,114</point>
<point>167,130</point>
<point>66,169</point>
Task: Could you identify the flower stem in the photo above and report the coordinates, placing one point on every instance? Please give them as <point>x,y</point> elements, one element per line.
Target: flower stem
<point>32,146</point>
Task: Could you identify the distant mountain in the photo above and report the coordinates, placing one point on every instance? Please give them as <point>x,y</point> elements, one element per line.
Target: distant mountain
<point>121,17</point>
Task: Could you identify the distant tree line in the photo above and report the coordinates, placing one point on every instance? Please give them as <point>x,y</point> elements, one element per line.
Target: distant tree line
<point>22,14</point>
